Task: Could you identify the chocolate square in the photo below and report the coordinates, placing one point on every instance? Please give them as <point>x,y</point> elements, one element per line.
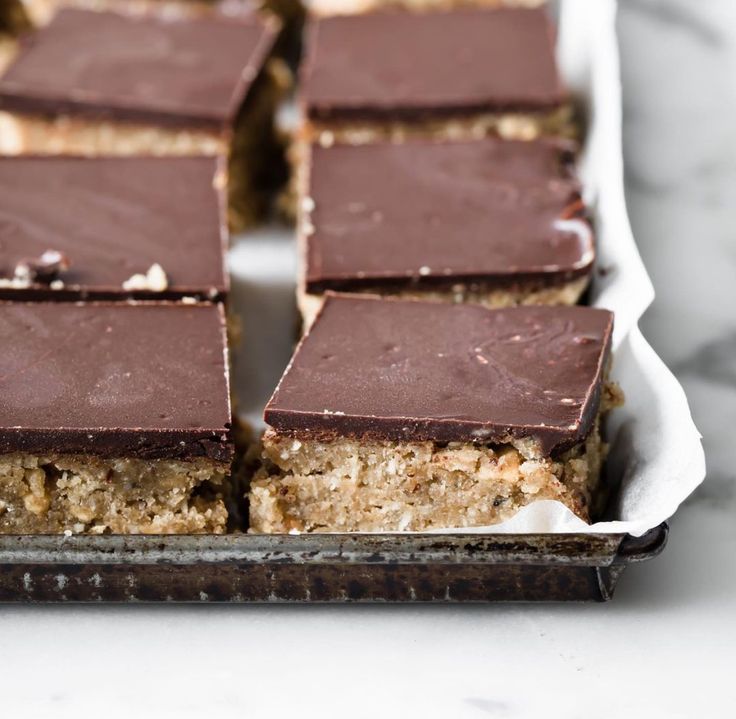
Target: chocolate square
<point>431,214</point>
<point>111,219</point>
<point>139,68</point>
<point>115,380</point>
<point>422,65</point>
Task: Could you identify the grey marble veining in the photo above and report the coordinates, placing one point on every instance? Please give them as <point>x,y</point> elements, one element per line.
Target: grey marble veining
<point>679,78</point>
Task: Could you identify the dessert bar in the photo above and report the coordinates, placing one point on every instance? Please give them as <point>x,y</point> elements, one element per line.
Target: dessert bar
<point>75,228</point>
<point>115,418</point>
<point>407,415</point>
<point>462,73</point>
<point>489,221</point>
<point>291,12</point>
<point>101,83</point>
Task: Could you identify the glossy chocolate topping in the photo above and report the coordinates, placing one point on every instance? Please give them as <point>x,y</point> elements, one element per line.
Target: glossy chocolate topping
<point>404,370</point>
<point>112,218</point>
<point>114,380</point>
<point>138,68</point>
<point>396,64</point>
<point>437,213</point>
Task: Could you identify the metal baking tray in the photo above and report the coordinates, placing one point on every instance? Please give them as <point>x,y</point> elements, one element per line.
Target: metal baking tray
<point>242,568</point>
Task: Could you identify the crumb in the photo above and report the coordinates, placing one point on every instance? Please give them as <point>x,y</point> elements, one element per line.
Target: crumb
<point>15,283</point>
<point>154,280</point>
<point>44,269</point>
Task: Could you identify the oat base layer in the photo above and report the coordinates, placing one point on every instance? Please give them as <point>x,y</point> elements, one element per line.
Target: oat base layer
<point>350,486</point>
<point>66,135</point>
<point>509,126</point>
<point>306,485</point>
<point>565,294</point>
<point>84,494</point>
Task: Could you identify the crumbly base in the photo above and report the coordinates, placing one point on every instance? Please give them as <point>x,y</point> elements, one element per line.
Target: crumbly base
<point>348,486</point>
<point>85,494</point>
<point>509,126</point>
<point>565,294</point>
<point>68,135</point>
<point>305,485</point>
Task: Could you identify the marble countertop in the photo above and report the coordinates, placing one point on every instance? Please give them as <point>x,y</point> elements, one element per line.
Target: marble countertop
<point>666,645</point>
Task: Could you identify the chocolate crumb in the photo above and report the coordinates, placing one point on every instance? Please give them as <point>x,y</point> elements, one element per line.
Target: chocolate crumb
<point>44,269</point>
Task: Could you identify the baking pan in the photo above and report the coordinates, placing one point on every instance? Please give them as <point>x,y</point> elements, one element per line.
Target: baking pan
<point>241,568</point>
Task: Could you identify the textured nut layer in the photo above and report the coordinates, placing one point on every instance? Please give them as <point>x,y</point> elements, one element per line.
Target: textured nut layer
<point>565,294</point>
<point>509,126</point>
<point>60,493</point>
<point>66,135</point>
<point>348,486</point>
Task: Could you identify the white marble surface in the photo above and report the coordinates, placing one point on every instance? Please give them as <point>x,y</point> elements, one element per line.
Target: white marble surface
<point>666,645</point>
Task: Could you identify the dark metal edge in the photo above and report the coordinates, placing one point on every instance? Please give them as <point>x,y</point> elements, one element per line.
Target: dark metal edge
<point>319,568</point>
<point>312,549</point>
<point>639,549</point>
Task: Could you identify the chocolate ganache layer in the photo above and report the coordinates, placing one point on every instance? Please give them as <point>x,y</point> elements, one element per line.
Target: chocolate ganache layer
<point>146,380</point>
<point>111,219</point>
<point>394,65</point>
<point>435,213</point>
<point>139,68</point>
<point>406,370</point>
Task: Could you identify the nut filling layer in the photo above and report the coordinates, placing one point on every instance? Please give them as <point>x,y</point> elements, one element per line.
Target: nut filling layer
<point>349,486</point>
<point>81,493</point>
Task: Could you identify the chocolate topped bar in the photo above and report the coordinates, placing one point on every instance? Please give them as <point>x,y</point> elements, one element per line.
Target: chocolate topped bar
<point>74,228</point>
<point>419,65</point>
<point>139,68</point>
<point>400,370</point>
<point>120,380</point>
<point>493,211</point>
